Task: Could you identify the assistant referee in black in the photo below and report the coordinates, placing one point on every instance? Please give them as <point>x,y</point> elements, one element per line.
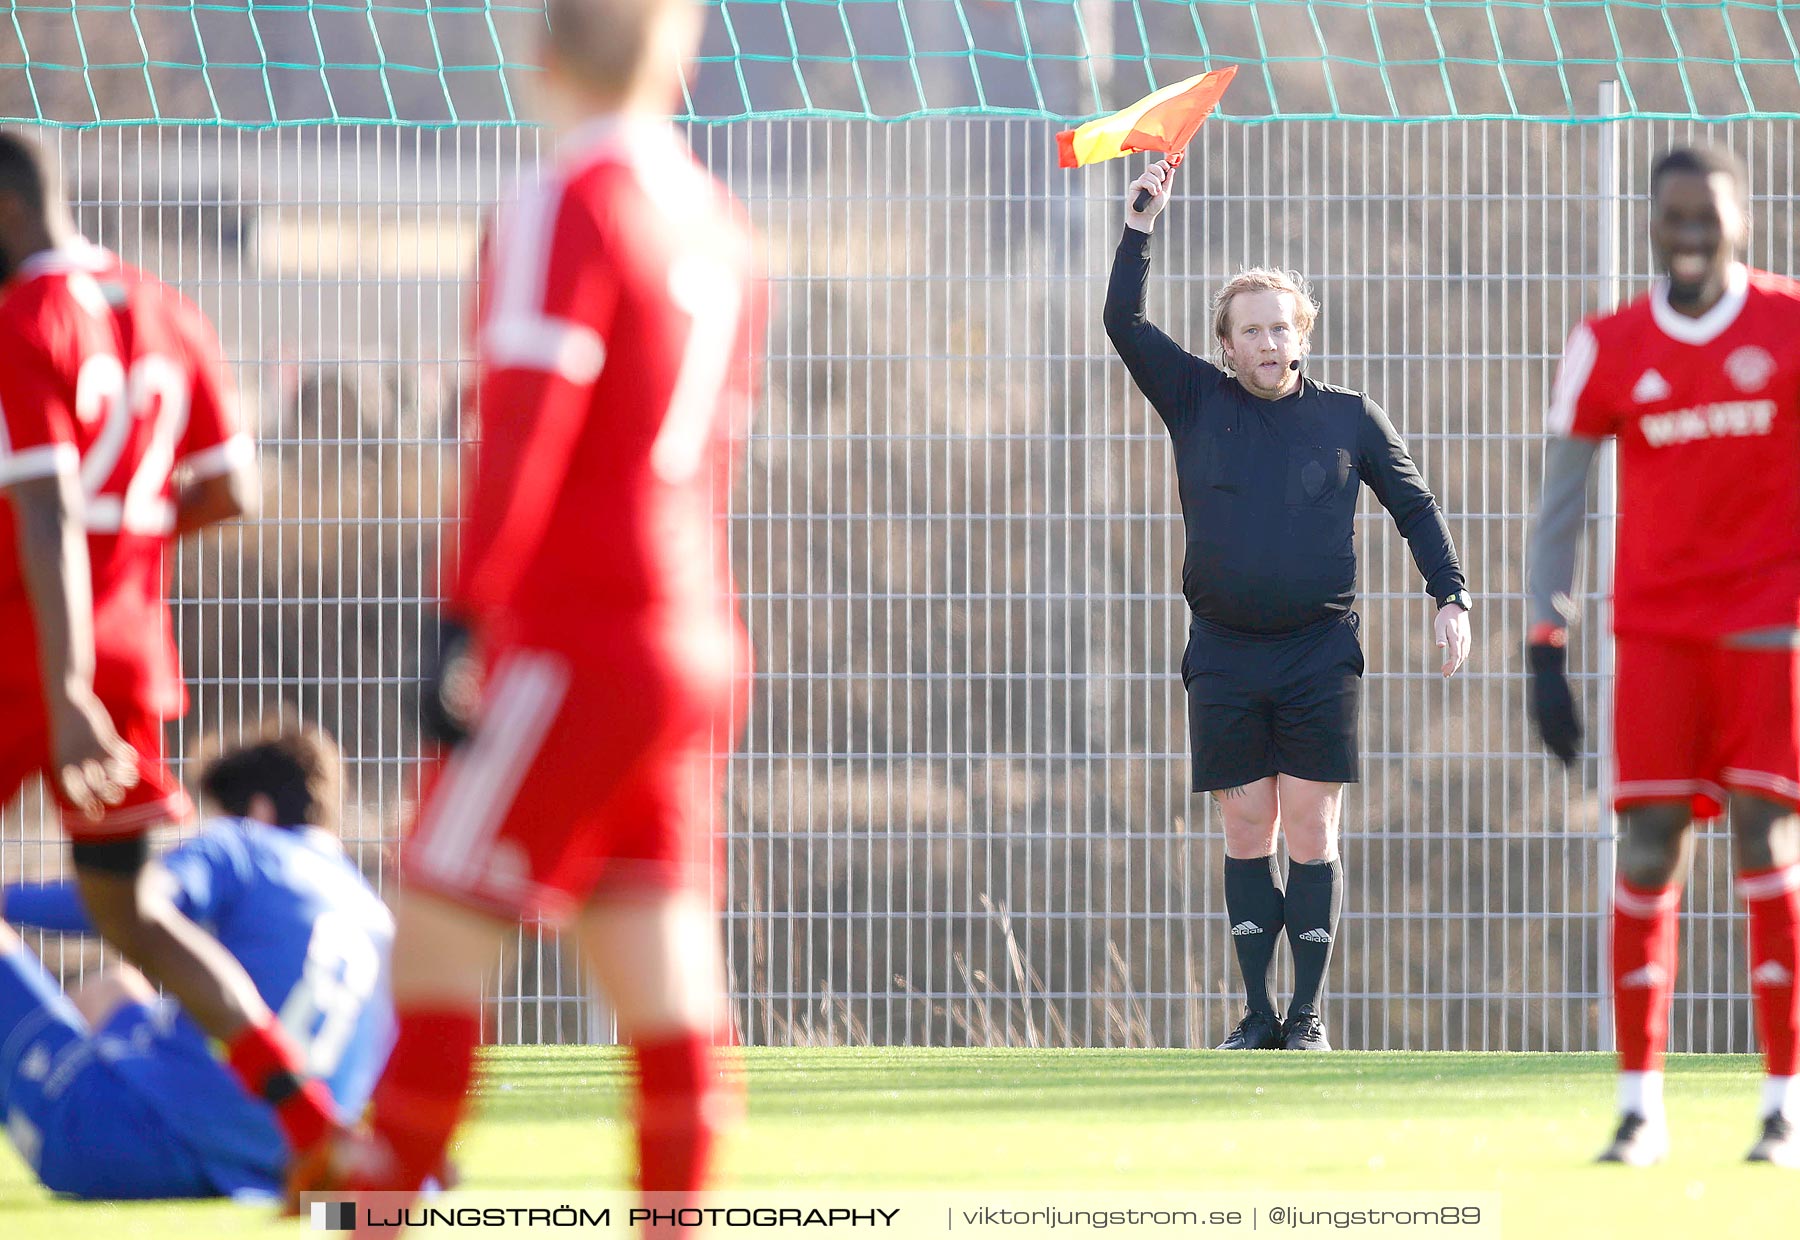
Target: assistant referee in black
<point>1268,463</point>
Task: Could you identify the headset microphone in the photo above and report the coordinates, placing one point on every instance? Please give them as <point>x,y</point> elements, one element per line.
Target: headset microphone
<point>1294,365</point>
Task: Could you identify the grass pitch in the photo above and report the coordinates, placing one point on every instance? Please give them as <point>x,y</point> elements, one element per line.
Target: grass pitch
<point>1522,1126</point>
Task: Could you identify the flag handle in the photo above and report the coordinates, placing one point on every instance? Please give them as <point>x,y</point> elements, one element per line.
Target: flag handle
<point>1143,195</point>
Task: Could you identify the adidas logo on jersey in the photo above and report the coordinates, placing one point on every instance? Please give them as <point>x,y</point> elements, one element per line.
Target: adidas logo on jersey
<point>1246,927</point>
<point>1650,387</point>
<point>1318,935</point>
<point>1728,420</point>
<point>1772,973</point>
<point>1649,977</point>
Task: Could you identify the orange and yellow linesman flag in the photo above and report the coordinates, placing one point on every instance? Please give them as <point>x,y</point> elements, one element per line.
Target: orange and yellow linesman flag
<point>1164,121</point>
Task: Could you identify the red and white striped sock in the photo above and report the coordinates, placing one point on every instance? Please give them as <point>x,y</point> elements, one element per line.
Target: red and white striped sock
<point>1772,898</point>
<point>1644,940</point>
<point>682,1105</point>
<point>423,1092</point>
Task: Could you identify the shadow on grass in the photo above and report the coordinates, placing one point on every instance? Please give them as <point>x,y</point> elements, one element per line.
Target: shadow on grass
<point>535,1085</point>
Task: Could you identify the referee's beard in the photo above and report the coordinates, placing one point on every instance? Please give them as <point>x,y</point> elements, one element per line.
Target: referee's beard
<point>1270,378</point>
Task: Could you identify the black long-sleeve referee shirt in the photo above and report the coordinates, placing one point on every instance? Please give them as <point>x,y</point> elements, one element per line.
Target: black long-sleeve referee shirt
<point>1269,487</point>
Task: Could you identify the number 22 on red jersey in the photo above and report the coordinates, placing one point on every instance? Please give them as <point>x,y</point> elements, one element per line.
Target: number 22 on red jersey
<point>128,422</point>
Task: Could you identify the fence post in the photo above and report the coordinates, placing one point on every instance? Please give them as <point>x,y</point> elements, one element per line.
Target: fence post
<point>1611,209</point>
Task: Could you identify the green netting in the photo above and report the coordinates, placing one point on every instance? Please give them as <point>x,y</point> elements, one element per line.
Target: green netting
<point>449,64</point>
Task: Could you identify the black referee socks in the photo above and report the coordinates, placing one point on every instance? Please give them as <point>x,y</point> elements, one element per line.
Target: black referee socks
<point>1315,900</point>
<point>1253,903</point>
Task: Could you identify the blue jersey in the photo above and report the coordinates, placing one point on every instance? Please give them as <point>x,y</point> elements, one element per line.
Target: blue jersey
<point>314,938</point>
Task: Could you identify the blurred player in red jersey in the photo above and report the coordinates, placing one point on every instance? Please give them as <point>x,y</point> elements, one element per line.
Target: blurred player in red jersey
<point>116,424</point>
<point>616,318</point>
<point>1699,381</point>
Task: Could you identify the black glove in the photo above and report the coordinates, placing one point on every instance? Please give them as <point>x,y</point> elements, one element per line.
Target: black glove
<point>452,693</point>
<point>1552,704</point>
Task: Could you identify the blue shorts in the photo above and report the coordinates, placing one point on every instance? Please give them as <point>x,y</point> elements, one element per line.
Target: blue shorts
<point>83,1130</point>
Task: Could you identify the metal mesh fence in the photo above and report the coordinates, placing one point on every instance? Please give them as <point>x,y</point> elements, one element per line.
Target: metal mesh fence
<point>459,63</point>
<point>959,812</point>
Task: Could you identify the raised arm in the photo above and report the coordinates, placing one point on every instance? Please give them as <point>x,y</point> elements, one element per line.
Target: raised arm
<point>1163,371</point>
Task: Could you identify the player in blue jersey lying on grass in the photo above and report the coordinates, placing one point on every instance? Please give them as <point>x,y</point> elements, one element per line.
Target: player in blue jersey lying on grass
<point>112,1092</point>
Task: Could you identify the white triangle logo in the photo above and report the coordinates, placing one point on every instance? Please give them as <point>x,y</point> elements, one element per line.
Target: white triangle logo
<point>1650,387</point>
<point>1646,978</point>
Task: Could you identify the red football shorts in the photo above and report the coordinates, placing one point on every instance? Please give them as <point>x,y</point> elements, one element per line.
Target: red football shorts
<point>1694,720</point>
<point>158,797</point>
<point>578,778</point>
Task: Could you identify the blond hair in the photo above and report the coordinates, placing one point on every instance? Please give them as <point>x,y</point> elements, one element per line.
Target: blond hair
<point>1263,280</point>
<point>604,44</point>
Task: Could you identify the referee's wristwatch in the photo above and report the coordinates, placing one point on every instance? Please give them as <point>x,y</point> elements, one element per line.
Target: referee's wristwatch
<point>1460,598</point>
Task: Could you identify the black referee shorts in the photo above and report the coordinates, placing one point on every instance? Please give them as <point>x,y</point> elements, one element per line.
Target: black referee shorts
<point>1284,704</point>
